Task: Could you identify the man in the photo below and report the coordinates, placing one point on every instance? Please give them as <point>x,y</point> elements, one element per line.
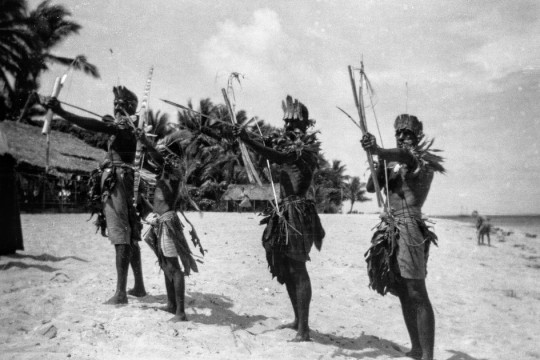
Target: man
<point>398,256</point>
<point>166,237</point>
<point>293,227</point>
<point>124,227</point>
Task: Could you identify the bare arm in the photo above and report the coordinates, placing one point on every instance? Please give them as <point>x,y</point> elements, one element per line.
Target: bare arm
<point>397,155</point>
<point>84,122</point>
<point>401,156</point>
<point>379,168</point>
<point>273,155</point>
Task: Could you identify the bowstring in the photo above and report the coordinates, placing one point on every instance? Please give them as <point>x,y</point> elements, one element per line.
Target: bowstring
<point>406,97</point>
<point>370,91</point>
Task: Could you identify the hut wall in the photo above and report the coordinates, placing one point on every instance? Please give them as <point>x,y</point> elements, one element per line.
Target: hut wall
<point>61,184</point>
<point>41,192</point>
<point>233,205</point>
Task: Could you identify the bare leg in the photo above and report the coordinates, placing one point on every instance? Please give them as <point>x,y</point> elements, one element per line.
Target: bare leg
<point>426,326</point>
<point>302,282</point>
<point>171,299</point>
<point>489,239</point>
<point>123,256</point>
<point>291,290</point>
<point>409,315</point>
<point>136,265</point>
<point>176,276</point>
<point>417,297</point>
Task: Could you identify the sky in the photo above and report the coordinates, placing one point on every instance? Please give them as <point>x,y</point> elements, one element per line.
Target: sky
<point>469,70</point>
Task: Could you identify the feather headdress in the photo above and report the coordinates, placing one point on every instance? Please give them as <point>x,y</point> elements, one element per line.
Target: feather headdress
<point>426,155</point>
<point>122,93</point>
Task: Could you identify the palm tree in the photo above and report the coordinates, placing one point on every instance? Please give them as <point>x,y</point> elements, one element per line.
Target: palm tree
<point>328,184</point>
<point>47,27</point>
<point>160,123</point>
<point>211,156</point>
<point>338,176</point>
<point>16,44</point>
<point>354,191</point>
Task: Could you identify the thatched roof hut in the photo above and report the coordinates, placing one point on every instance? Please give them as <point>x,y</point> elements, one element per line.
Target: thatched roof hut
<point>60,187</point>
<point>258,195</point>
<point>67,154</point>
<point>255,192</point>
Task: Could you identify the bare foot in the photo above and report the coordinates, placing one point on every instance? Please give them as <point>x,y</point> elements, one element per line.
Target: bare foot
<point>293,325</point>
<point>168,308</point>
<point>415,354</point>
<point>301,337</point>
<point>117,299</point>
<point>178,318</point>
<point>137,292</point>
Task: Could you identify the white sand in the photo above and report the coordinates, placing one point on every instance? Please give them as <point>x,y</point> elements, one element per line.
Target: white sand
<point>486,300</point>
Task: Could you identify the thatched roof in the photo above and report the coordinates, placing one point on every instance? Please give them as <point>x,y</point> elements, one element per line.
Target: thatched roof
<point>255,192</point>
<point>67,154</point>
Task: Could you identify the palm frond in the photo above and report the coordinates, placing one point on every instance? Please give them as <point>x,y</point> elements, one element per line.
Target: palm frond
<point>78,63</point>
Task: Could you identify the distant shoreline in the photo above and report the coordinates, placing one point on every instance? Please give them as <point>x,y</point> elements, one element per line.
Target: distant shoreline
<point>492,216</point>
<point>529,225</point>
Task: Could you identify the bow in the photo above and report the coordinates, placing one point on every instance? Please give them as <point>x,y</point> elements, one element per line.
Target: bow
<point>58,84</point>
<point>276,206</point>
<point>250,169</point>
<point>143,114</point>
<point>359,103</point>
<point>57,87</point>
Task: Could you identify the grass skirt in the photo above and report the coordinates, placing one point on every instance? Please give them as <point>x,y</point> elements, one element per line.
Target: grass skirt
<point>383,265</point>
<point>290,234</point>
<point>169,225</point>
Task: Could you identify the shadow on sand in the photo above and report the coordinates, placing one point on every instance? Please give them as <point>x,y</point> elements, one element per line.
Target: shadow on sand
<point>220,311</point>
<point>363,347</point>
<point>373,346</point>
<point>458,355</point>
<point>370,347</point>
<point>209,309</point>
<point>44,257</point>
<point>151,299</point>
<point>22,265</point>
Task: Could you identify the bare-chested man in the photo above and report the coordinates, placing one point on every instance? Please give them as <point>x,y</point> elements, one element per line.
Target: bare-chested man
<point>123,224</point>
<point>403,237</point>
<point>293,228</point>
<point>166,237</point>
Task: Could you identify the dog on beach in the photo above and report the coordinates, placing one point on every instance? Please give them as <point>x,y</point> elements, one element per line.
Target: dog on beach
<point>483,228</point>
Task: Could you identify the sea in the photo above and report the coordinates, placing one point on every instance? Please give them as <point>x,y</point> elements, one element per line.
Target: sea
<point>527,224</point>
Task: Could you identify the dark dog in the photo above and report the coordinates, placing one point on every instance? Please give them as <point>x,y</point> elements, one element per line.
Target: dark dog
<point>483,228</point>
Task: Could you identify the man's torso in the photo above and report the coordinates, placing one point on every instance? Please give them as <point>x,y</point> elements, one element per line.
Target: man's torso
<point>123,144</point>
<point>165,195</point>
<point>408,189</point>
<point>295,179</point>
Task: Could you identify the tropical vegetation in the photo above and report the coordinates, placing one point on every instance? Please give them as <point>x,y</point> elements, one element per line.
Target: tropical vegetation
<point>27,43</point>
<point>214,159</point>
<point>28,39</point>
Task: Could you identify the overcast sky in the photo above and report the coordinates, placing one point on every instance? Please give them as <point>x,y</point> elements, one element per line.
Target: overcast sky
<point>472,70</point>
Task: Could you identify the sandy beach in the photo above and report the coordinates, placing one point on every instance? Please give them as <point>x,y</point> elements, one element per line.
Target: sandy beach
<point>486,299</point>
